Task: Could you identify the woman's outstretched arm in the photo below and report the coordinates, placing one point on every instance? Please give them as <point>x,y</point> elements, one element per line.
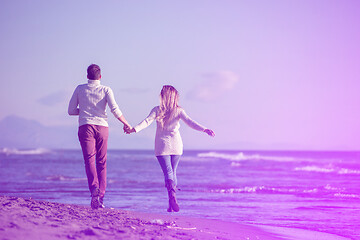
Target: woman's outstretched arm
<point>194,125</point>
<point>145,123</point>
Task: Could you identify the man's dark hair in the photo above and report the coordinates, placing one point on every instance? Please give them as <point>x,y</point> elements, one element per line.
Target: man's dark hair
<point>93,72</point>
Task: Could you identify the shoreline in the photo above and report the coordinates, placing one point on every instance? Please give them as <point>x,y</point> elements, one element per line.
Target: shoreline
<point>32,219</point>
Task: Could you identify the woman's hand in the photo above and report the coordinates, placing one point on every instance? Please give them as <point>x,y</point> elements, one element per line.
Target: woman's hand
<point>127,128</point>
<point>210,132</point>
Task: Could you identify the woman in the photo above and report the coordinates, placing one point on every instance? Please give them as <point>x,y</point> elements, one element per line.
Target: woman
<point>168,143</point>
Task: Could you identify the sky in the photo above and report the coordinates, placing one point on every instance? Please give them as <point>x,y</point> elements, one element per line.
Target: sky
<point>270,75</point>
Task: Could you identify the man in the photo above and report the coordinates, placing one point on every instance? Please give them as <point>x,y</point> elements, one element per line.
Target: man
<point>89,102</point>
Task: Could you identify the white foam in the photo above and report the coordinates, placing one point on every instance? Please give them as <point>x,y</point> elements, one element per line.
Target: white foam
<point>345,195</point>
<point>236,164</point>
<point>63,178</point>
<point>242,157</point>
<point>327,170</point>
<point>14,151</point>
<point>314,169</point>
<point>348,171</point>
<point>239,190</point>
<point>264,189</point>
<point>238,157</point>
<point>329,187</point>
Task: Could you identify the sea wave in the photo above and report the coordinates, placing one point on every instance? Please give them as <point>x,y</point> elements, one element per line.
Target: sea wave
<point>348,171</point>
<point>334,189</point>
<point>314,169</point>
<point>14,151</point>
<point>328,169</point>
<point>63,178</point>
<point>264,189</point>
<point>346,195</point>
<point>195,159</point>
<point>322,190</point>
<point>242,157</point>
<point>236,164</point>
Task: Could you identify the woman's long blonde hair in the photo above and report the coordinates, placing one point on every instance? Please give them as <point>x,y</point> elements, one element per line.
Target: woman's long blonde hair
<point>169,98</point>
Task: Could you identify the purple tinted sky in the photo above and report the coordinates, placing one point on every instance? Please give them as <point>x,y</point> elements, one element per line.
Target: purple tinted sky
<point>262,74</point>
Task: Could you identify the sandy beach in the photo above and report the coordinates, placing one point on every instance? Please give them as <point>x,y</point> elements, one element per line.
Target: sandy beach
<point>30,219</point>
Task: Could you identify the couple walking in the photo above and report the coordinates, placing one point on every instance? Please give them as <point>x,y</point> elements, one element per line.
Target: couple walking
<point>89,102</point>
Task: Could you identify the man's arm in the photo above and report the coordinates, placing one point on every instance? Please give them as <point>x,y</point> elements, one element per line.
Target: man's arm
<point>127,126</point>
<point>73,104</point>
<point>114,108</point>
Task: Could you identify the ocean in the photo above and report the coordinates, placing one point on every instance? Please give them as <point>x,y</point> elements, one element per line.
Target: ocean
<point>317,191</point>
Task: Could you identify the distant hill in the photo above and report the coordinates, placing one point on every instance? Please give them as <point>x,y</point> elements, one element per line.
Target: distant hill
<point>17,132</point>
<point>21,133</point>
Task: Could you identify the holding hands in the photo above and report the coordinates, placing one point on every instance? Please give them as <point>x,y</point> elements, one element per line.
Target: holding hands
<point>128,129</point>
